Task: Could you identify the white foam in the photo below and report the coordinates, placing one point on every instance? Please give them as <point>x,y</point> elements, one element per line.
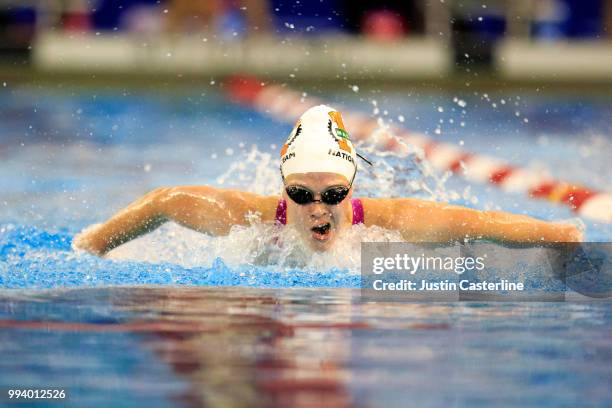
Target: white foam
<point>259,244</point>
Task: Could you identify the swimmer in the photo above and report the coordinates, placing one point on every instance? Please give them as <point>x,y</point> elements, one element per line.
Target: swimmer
<point>318,164</point>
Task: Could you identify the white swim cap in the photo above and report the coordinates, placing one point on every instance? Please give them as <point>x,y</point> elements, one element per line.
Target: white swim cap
<point>319,143</point>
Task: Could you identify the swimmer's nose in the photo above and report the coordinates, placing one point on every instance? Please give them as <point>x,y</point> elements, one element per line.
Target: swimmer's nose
<point>317,210</point>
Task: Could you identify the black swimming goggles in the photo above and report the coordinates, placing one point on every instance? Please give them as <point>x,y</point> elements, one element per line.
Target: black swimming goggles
<point>331,196</point>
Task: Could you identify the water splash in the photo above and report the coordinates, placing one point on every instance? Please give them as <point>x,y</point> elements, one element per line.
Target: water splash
<point>254,171</point>
<point>403,170</point>
<point>279,249</point>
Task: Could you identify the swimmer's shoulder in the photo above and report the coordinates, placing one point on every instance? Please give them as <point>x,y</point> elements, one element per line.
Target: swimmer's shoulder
<point>237,201</point>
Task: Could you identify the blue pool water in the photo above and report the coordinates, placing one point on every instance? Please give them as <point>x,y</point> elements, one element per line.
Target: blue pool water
<point>223,330</point>
<point>202,346</point>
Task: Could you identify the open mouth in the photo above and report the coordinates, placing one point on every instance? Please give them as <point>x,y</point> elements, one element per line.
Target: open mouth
<point>321,232</point>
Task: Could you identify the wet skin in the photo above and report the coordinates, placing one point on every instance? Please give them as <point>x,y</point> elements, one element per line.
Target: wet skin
<point>318,223</point>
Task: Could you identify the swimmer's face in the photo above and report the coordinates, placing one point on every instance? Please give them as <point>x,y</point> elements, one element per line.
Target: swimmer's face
<point>318,223</point>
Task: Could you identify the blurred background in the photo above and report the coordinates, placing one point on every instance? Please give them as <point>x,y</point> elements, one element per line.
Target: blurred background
<point>550,40</point>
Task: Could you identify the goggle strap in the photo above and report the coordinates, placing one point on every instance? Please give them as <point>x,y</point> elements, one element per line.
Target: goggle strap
<point>364,159</point>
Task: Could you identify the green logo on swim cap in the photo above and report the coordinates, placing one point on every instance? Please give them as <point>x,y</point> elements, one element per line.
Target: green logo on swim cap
<point>342,133</point>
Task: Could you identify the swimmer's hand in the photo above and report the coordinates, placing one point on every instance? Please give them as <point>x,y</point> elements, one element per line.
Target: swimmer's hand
<point>86,241</point>
<point>512,228</point>
<point>569,233</point>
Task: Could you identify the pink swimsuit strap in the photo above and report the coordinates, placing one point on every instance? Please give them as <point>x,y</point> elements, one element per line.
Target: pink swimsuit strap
<point>281,211</point>
<point>357,211</point>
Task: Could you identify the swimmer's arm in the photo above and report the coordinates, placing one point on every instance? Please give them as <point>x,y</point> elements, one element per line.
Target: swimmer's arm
<point>428,221</point>
<point>205,209</point>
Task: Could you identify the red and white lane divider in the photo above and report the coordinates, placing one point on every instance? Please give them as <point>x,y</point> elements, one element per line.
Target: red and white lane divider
<point>287,105</point>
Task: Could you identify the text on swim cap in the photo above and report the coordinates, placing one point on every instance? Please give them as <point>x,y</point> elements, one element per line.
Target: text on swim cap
<point>343,155</point>
<point>287,157</point>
